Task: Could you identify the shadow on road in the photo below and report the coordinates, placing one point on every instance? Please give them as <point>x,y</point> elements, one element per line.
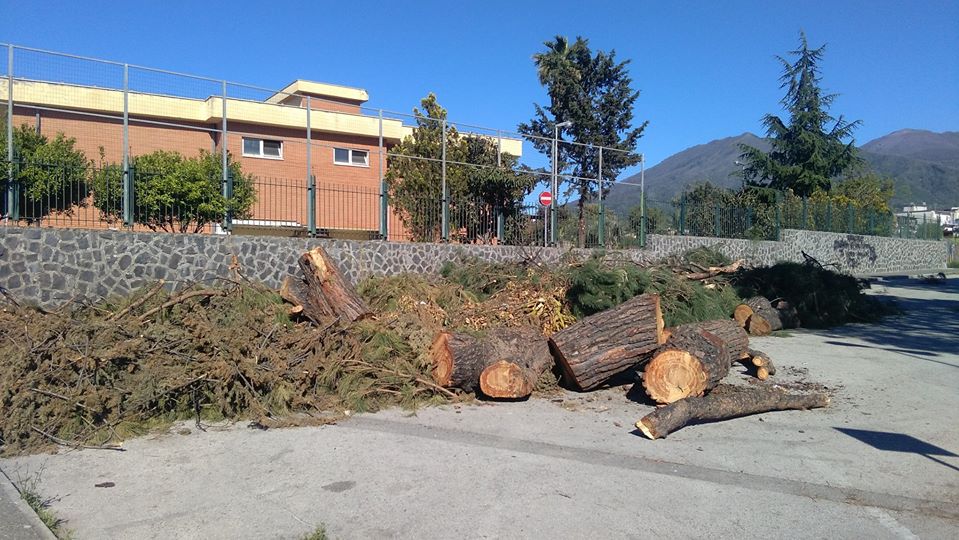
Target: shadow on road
<point>899,442</point>
<point>927,327</point>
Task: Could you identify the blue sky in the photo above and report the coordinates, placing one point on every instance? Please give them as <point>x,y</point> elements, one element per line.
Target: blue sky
<point>705,70</point>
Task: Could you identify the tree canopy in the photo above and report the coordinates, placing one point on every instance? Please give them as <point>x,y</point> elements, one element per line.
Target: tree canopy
<point>593,91</point>
<point>51,173</point>
<point>174,193</point>
<point>478,184</point>
<point>810,150</point>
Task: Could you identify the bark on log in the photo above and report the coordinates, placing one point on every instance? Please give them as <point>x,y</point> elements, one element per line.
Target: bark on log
<point>762,362</point>
<point>459,359</point>
<point>787,314</point>
<point>609,342</point>
<point>696,357</point>
<point>714,271</point>
<point>764,319</point>
<point>293,290</point>
<point>722,403</point>
<point>515,376</point>
<point>325,293</point>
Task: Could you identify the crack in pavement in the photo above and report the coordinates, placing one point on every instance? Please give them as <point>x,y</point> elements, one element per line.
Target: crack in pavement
<point>843,495</point>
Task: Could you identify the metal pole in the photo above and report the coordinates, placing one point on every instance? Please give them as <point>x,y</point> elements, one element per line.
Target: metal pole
<point>642,199</point>
<point>545,226</point>
<point>12,194</point>
<point>499,149</point>
<point>555,187</point>
<point>227,178</point>
<point>602,207</point>
<point>127,184</point>
<point>446,203</point>
<point>384,203</point>
<point>310,179</point>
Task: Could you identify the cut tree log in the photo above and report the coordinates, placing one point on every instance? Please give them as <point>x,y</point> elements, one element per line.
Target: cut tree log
<point>293,290</point>
<point>760,317</point>
<point>516,378</point>
<point>696,357</point>
<point>323,292</point>
<point>787,313</point>
<point>764,318</point>
<point>725,402</point>
<point>609,342</point>
<point>762,362</point>
<point>459,359</point>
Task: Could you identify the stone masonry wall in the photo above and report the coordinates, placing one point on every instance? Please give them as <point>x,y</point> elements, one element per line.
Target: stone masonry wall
<point>50,266</point>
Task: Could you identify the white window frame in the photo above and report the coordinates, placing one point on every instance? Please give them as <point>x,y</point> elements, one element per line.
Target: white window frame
<point>350,161</point>
<point>261,155</point>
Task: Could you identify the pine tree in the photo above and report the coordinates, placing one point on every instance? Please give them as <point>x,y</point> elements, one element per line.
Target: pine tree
<point>806,154</point>
<point>593,92</point>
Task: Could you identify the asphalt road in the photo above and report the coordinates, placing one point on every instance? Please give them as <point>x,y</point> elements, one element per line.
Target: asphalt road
<point>880,462</point>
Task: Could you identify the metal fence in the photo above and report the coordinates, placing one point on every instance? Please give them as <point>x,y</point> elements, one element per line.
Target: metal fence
<point>100,144</point>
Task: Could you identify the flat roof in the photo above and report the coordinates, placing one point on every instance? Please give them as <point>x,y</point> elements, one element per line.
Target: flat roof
<point>312,88</point>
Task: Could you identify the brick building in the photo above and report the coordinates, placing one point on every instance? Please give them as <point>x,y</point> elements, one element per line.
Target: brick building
<point>267,136</point>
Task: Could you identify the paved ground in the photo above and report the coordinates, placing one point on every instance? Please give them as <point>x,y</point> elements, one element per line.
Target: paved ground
<point>880,463</point>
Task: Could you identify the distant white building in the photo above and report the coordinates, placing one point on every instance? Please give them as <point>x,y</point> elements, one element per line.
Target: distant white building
<point>920,213</point>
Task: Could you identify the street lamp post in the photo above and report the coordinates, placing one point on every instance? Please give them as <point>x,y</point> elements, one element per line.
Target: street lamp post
<point>555,187</point>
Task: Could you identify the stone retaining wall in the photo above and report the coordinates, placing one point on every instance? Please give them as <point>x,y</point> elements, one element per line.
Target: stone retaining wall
<point>50,266</point>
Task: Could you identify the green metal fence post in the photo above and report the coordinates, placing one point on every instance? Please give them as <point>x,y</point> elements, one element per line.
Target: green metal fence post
<point>500,226</point>
<point>128,196</point>
<point>228,192</point>
<point>445,218</point>
<point>716,225</point>
<point>602,203</point>
<point>13,196</point>
<point>311,206</point>
<point>805,213</point>
<point>682,216</point>
<point>779,214</point>
<point>642,221</point>
<point>850,218</point>
<point>829,216</point>
<point>384,197</point>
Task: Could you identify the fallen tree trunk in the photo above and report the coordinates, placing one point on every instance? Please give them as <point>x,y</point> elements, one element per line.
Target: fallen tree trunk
<point>323,292</point>
<point>714,271</point>
<point>725,402</point>
<point>459,359</point>
<point>760,317</point>
<point>609,342</point>
<point>696,357</point>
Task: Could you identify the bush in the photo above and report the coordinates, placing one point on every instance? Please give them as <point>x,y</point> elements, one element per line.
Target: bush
<point>822,297</point>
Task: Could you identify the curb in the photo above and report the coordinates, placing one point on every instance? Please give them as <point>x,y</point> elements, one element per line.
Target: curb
<point>17,520</point>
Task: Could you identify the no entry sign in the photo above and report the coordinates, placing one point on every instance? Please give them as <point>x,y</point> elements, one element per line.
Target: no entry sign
<point>545,198</point>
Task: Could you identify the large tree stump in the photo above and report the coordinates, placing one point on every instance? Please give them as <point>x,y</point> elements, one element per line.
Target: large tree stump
<point>696,357</point>
<point>725,402</point>
<point>516,377</point>
<point>323,292</point>
<point>609,342</point>
<point>459,359</point>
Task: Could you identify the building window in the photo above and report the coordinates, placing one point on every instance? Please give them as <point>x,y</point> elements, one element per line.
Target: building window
<point>262,148</point>
<point>349,156</point>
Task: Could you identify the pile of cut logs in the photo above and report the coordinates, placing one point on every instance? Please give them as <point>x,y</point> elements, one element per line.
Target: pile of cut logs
<point>682,366</point>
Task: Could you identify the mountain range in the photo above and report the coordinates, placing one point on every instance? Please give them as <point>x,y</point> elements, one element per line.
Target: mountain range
<point>924,166</point>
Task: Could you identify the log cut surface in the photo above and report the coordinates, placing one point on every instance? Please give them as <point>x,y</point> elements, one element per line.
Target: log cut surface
<point>460,358</point>
<point>515,376</point>
<point>610,342</point>
<point>723,403</point>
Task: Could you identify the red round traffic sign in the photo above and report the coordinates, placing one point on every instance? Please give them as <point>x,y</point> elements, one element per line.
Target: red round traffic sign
<point>545,198</point>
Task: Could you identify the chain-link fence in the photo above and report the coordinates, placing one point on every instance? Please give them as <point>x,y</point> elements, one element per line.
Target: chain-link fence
<point>101,144</point>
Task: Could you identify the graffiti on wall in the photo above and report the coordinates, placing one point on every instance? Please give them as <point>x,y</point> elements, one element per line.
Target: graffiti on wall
<point>854,250</point>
